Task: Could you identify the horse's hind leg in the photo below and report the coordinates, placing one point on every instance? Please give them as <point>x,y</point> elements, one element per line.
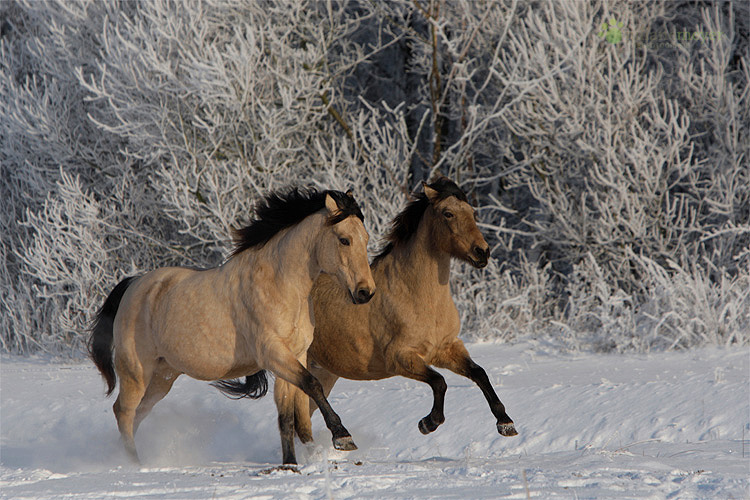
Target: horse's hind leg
<point>133,381</point>
<point>160,384</point>
<point>410,364</point>
<point>456,358</point>
<point>302,413</point>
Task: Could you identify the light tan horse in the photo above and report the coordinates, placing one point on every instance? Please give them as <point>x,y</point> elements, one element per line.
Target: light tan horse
<point>412,322</point>
<point>252,313</point>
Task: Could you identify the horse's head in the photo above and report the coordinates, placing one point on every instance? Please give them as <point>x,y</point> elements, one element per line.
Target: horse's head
<point>342,251</point>
<point>453,223</point>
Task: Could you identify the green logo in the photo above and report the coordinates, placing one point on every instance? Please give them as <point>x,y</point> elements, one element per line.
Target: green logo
<point>612,31</point>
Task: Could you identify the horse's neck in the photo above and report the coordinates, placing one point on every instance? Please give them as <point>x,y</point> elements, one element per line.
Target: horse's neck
<point>289,256</point>
<point>422,266</point>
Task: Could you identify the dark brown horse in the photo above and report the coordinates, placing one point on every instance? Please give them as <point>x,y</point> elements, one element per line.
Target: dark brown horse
<point>411,323</point>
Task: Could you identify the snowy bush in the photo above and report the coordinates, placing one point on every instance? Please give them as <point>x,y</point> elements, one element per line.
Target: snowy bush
<point>611,173</point>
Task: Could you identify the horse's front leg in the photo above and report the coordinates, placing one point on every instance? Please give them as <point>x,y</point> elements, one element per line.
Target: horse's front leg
<point>283,394</point>
<point>304,407</point>
<point>294,415</point>
<point>456,358</point>
<point>285,366</point>
<point>410,364</point>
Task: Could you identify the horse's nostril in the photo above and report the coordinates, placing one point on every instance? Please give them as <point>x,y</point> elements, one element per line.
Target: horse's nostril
<point>482,253</point>
<point>363,295</point>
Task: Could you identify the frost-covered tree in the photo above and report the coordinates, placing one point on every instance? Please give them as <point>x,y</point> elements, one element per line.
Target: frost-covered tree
<point>605,143</point>
<point>594,158</point>
<point>140,134</point>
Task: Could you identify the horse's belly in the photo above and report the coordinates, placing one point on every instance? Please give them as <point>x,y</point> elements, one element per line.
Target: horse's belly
<point>202,362</point>
<point>240,371</point>
<point>205,347</point>
<point>349,359</point>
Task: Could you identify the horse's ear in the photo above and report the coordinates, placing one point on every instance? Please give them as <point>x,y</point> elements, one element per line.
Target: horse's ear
<point>431,193</point>
<point>349,193</point>
<point>331,205</point>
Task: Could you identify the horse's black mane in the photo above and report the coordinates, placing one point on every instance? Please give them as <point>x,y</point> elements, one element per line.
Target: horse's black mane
<point>406,222</point>
<point>280,210</point>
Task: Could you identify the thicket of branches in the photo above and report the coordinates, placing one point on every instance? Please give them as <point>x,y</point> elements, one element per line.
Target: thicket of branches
<point>612,178</point>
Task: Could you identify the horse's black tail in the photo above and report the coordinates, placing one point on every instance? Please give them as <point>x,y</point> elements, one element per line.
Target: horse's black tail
<point>254,387</point>
<point>100,341</point>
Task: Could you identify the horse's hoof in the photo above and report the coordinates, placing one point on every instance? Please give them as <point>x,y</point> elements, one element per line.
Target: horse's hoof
<point>345,443</point>
<point>426,426</point>
<point>133,456</point>
<point>281,468</point>
<point>507,429</point>
<point>423,427</point>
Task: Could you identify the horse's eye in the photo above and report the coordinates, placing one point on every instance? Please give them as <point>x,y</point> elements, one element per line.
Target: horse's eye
<point>344,241</point>
<point>447,214</point>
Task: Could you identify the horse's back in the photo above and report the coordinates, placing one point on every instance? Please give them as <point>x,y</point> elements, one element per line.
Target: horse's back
<point>142,301</point>
<point>147,295</point>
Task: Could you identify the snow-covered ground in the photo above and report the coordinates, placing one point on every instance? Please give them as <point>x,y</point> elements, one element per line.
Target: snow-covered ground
<point>663,425</point>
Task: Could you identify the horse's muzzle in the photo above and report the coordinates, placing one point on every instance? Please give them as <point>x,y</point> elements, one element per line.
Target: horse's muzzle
<point>479,257</point>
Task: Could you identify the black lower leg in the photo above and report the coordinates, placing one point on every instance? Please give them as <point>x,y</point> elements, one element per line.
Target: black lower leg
<point>342,440</point>
<point>436,417</point>
<point>286,429</point>
<point>504,423</point>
